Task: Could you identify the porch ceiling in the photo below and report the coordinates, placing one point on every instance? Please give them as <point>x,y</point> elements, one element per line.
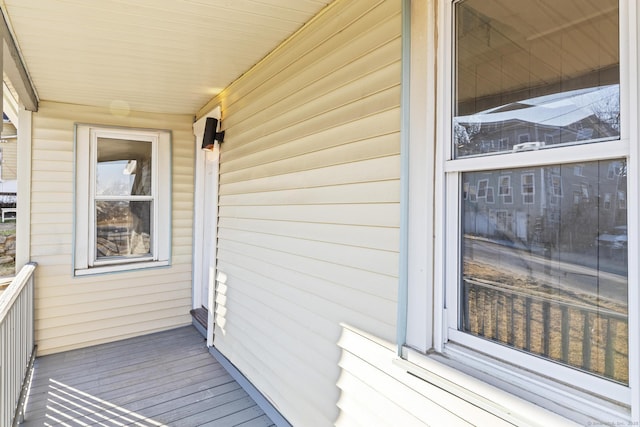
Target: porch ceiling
<point>168,56</point>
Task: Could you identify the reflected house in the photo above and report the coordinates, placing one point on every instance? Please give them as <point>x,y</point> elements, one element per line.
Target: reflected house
<point>588,114</point>
<point>544,207</point>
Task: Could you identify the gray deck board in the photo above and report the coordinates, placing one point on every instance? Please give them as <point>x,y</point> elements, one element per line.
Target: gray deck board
<point>168,378</point>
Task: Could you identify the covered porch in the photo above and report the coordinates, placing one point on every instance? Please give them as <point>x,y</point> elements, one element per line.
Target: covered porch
<point>166,378</point>
<point>160,379</point>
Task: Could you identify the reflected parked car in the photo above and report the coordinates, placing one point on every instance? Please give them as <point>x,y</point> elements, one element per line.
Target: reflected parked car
<point>614,239</point>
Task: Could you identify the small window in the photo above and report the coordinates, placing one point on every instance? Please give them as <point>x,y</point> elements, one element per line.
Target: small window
<point>528,188</point>
<point>504,187</point>
<point>490,196</point>
<point>482,188</point>
<point>556,185</point>
<point>122,199</point>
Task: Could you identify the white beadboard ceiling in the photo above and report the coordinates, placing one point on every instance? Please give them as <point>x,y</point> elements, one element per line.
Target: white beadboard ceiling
<point>167,56</point>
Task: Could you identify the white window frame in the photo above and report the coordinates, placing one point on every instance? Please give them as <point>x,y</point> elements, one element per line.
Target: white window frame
<point>428,334</point>
<point>85,147</point>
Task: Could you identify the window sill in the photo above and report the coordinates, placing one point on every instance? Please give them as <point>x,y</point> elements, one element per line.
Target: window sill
<point>518,397</point>
<point>120,268</point>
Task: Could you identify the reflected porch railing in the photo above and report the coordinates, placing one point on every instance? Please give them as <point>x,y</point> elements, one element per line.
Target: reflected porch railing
<point>17,346</point>
<point>591,338</point>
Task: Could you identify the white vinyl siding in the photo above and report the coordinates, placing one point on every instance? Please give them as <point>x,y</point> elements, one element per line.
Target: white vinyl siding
<point>309,205</point>
<point>377,390</point>
<point>77,312</point>
<point>10,160</point>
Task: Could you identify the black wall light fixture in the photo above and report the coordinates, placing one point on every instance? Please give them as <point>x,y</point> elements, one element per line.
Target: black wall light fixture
<point>211,134</point>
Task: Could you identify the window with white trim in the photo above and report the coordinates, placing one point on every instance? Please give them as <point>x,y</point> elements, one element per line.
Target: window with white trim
<point>536,280</point>
<point>122,199</point>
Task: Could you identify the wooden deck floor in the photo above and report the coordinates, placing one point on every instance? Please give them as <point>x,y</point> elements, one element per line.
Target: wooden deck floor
<point>167,378</point>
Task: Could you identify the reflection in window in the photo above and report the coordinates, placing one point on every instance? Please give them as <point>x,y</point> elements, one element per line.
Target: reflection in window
<point>527,73</point>
<point>528,188</point>
<point>550,279</point>
<point>123,200</point>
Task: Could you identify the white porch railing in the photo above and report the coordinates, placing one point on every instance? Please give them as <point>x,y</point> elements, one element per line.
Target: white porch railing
<point>17,347</point>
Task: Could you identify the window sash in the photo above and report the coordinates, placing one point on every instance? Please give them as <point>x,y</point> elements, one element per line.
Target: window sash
<point>116,134</point>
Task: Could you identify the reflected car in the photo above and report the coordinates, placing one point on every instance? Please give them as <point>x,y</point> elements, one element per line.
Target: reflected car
<point>614,239</point>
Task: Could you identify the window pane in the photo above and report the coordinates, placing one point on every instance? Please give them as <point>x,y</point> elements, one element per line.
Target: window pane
<point>545,263</point>
<point>123,229</point>
<point>124,167</point>
<point>531,74</point>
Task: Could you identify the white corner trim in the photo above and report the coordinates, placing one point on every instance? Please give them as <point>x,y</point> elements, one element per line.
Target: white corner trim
<point>200,159</point>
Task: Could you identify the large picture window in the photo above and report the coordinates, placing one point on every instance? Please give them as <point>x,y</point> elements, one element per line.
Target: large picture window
<point>537,277</point>
<point>122,201</point>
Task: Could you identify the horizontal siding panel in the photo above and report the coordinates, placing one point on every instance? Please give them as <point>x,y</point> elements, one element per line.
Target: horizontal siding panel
<point>58,276</point>
<point>374,147</point>
<point>46,230</point>
<point>340,302</point>
<point>64,335</point>
<point>341,68</point>
<point>114,288</point>
<point>51,207</point>
<point>160,302</point>
<point>53,156</point>
<point>60,218</point>
<point>292,333</point>
<point>376,125</point>
<point>330,31</point>
<point>51,166</point>
<point>375,215</point>
<point>271,366</point>
<point>138,293</point>
<point>345,276</point>
<point>61,177</point>
<point>381,169</point>
<point>57,237</point>
<point>109,334</point>
<point>374,260</point>
<point>316,313</point>
<point>371,363</point>
<point>291,371</point>
<point>373,136</point>
<point>323,103</point>
<point>384,238</point>
<point>376,103</point>
<point>373,408</point>
<point>370,192</point>
<point>44,249</point>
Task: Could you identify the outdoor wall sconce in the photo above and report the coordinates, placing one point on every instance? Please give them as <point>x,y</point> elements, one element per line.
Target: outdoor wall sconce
<point>211,134</point>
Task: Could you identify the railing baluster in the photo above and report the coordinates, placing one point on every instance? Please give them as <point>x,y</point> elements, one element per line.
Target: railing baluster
<point>483,312</point>
<point>18,347</point>
<point>586,341</point>
<point>609,359</point>
<point>512,324</point>
<point>565,334</point>
<point>527,323</point>
<point>466,311</point>
<point>496,315</point>
<point>546,327</point>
